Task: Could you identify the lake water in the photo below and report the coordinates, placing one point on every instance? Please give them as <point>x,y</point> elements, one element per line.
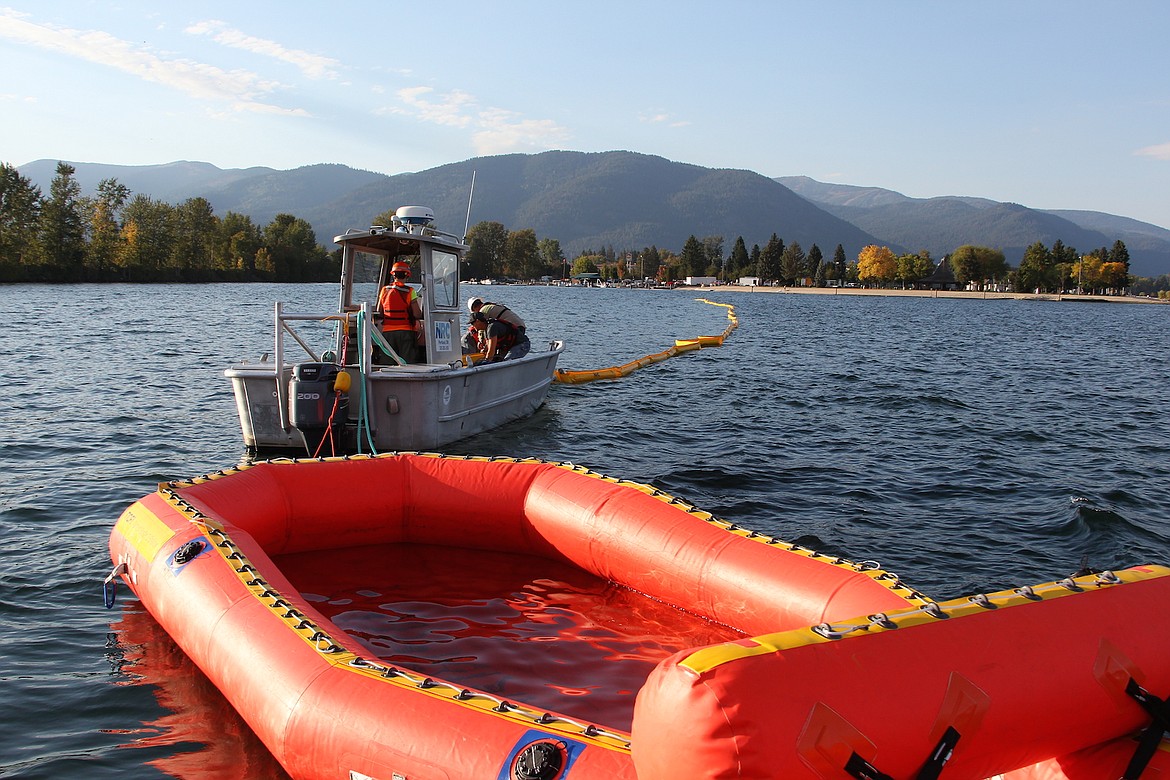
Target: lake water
<point>965,445</point>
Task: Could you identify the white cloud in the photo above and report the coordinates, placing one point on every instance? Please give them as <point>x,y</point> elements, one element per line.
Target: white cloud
<point>662,118</point>
<point>240,89</point>
<point>312,65</point>
<point>452,109</point>
<point>1158,152</point>
<point>494,130</point>
<point>502,131</point>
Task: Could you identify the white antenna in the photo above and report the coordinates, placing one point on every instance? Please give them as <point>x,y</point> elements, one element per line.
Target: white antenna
<point>470,195</point>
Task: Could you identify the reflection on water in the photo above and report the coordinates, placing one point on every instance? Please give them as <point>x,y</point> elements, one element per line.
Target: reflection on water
<point>198,735</point>
<point>518,627</point>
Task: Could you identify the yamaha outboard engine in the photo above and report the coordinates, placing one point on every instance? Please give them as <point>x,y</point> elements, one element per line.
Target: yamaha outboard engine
<point>316,407</point>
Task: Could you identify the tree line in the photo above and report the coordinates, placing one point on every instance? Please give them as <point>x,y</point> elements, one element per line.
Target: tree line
<point>497,252</point>
<point>63,236</point>
<point>114,236</point>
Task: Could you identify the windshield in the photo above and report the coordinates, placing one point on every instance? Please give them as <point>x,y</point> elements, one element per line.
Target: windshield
<point>365,278</point>
<point>445,292</point>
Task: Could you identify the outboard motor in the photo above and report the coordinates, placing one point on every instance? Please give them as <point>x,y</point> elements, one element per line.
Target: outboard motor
<point>316,407</point>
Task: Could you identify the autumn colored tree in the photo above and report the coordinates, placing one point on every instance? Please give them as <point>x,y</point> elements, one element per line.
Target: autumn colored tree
<point>105,229</point>
<point>876,264</point>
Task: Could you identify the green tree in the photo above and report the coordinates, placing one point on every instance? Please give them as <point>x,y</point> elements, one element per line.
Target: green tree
<point>147,236</point>
<point>195,227</point>
<point>910,268</point>
<point>63,224</point>
<point>768,268</point>
<point>792,261</point>
<point>840,262</point>
<point>979,264</point>
<point>20,214</point>
<point>713,250</point>
<point>552,258</point>
<point>586,264</point>
<point>694,258</point>
<point>236,241</point>
<point>292,246</point>
<point>739,262</point>
<point>1037,270</point>
<point>649,262</point>
<point>1119,255</point>
<point>1064,258</point>
<point>523,257</point>
<point>815,265</point>
<point>488,243</point>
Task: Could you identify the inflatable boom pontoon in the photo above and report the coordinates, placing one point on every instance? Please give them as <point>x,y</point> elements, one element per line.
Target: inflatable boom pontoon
<point>842,670</point>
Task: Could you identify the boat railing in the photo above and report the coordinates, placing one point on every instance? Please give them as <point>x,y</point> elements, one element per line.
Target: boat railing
<point>284,326</point>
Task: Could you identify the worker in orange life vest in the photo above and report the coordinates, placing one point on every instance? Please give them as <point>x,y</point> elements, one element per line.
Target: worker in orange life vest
<point>401,314</point>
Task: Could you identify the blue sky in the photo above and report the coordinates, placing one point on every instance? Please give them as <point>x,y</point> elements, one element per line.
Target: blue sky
<point>1048,103</point>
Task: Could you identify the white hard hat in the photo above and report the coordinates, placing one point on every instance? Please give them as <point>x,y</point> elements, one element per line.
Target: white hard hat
<point>473,302</point>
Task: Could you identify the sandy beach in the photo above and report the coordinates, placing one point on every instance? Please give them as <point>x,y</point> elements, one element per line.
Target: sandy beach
<point>935,294</point>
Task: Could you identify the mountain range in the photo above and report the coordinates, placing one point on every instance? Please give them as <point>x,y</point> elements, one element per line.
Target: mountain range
<point>627,200</point>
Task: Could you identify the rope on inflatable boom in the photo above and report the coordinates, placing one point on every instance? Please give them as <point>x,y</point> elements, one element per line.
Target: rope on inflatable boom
<point>680,346</point>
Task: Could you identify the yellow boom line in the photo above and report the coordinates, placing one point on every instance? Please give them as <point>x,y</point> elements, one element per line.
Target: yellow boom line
<point>680,346</point>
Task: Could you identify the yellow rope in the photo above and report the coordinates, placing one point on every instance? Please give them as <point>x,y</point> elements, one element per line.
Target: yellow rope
<point>680,346</point>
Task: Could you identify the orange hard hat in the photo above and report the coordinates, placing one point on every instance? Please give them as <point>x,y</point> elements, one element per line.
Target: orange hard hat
<point>401,267</point>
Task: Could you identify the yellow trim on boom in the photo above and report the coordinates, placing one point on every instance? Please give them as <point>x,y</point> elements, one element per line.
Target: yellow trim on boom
<point>144,531</point>
<point>707,658</point>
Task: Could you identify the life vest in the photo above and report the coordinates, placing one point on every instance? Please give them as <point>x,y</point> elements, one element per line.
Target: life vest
<point>475,339</point>
<point>394,301</point>
<point>500,312</point>
<point>506,335</point>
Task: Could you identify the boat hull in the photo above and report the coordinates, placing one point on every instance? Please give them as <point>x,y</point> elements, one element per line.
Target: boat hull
<point>408,408</point>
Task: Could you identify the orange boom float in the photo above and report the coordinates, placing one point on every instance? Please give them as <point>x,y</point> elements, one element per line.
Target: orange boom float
<point>834,669</point>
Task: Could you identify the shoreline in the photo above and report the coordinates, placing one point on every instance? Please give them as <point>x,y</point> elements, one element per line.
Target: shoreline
<point>862,291</point>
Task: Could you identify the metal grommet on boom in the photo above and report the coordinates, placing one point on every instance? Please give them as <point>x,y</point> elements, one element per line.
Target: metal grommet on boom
<point>539,761</point>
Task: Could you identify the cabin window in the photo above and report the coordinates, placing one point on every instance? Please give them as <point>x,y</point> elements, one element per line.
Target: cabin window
<point>365,278</point>
<point>444,291</point>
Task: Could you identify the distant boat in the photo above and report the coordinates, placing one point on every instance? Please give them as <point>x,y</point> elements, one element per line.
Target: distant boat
<point>332,397</point>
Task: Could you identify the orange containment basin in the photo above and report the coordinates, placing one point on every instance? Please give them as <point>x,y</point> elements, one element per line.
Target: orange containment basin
<point>806,665</point>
